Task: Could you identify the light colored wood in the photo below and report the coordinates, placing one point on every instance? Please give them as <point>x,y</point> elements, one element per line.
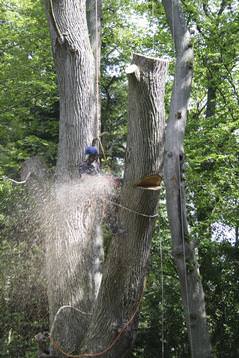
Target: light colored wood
<point>183,248</point>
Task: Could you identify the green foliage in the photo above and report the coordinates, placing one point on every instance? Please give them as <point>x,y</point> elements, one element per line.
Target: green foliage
<point>219,268</point>
<point>29,126</point>
<point>161,312</point>
<point>128,27</point>
<point>23,308</point>
<point>28,118</point>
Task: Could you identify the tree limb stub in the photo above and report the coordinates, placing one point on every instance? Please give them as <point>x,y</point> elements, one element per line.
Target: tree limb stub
<point>149,182</point>
<point>133,69</point>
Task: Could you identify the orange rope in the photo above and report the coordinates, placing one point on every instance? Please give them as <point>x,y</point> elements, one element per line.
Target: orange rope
<point>58,347</point>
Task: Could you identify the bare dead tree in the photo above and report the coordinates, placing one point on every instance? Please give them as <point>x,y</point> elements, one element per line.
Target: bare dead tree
<point>183,248</point>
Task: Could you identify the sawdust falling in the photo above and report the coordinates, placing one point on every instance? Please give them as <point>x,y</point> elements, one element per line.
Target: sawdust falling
<point>71,216</point>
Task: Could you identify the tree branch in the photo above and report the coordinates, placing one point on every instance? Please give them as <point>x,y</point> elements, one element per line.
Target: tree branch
<point>222,7</point>
<point>230,80</point>
<point>205,9</point>
<point>55,24</point>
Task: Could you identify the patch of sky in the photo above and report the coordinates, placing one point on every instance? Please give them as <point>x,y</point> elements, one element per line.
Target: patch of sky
<point>222,232</point>
<point>236,134</point>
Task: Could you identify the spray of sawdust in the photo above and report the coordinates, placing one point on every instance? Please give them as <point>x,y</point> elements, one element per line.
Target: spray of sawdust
<point>71,215</point>
<point>53,254</point>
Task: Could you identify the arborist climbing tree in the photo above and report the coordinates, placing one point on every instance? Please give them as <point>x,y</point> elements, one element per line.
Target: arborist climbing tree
<point>90,165</point>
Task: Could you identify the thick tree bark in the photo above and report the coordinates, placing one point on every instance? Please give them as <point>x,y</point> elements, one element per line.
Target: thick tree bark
<point>69,231</point>
<point>72,212</point>
<point>75,67</point>
<point>183,250</point>
<point>115,315</point>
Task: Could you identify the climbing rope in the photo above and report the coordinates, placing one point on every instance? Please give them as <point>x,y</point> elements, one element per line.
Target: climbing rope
<point>58,347</point>
<point>64,307</point>
<point>181,205</point>
<point>162,292</point>
<point>153,216</point>
<point>102,148</point>
<point>17,182</point>
<point>131,210</point>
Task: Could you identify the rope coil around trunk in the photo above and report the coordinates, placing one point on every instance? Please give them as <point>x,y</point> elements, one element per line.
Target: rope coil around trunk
<point>56,345</point>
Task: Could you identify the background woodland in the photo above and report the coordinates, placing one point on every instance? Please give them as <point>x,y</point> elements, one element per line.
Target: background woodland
<point>29,127</point>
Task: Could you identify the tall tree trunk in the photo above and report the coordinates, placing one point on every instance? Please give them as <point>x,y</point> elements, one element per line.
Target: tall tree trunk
<point>115,315</point>
<point>183,249</point>
<point>69,242</point>
<point>72,211</point>
<point>75,67</point>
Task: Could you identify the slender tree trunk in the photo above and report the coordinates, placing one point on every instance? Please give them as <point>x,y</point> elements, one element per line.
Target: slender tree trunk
<point>183,250</point>
<point>211,99</point>
<point>211,93</point>
<point>115,315</point>
<point>94,13</point>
